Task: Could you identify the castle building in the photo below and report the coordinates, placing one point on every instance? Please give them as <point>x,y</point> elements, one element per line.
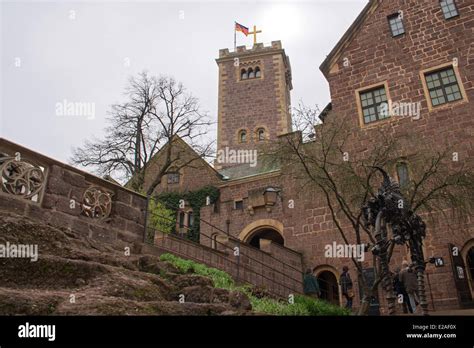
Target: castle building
<point>418,52</point>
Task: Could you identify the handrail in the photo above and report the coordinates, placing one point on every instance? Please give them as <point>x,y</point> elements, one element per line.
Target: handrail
<point>225,232</point>
<point>251,258</point>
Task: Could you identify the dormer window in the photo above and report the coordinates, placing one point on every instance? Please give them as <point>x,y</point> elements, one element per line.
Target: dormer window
<point>243,136</point>
<point>396,24</point>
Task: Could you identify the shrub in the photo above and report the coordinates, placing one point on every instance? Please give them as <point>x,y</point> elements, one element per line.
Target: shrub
<point>303,305</point>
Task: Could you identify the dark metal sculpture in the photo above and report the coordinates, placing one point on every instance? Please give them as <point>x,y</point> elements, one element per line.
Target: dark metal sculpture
<point>390,209</point>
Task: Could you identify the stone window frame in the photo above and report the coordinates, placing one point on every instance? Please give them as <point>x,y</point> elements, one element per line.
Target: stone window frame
<point>399,163</point>
<point>396,26</point>
<point>179,184</point>
<point>239,132</point>
<point>440,67</point>
<point>258,63</point>
<point>171,175</point>
<point>445,7</point>
<point>214,241</point>
<point>240,200</point>
<point>358,91</point>
<point>255,134</point>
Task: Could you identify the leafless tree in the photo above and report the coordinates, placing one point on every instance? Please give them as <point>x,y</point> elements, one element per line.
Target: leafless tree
<point>347,180</point>
<point>157,111</point>
<point>304,118</point>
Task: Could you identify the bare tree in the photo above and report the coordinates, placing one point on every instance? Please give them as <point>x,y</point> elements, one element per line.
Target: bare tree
<point>346,181</point>
<point>157,111</point>
<point>304,118</point>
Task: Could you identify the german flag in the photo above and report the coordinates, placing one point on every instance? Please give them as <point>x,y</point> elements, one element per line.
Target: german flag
<point>240,27</point>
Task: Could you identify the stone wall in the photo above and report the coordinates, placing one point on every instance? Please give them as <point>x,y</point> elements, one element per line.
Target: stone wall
<point>67,195</point>
<point>254,103</point>
<point>373,57</point>
<point>274,268</point>
<point>60,198</point>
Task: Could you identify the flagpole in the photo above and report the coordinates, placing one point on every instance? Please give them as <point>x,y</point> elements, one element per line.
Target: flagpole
<point>235,37</point>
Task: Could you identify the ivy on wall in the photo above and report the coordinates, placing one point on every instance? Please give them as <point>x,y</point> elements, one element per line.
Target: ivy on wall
<point>196,199</point>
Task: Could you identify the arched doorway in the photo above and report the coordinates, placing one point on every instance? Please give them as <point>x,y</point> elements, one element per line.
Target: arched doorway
<point>265,233</point>
<point>470,267</point>
<point>329,286</point>
<point>262,229</point>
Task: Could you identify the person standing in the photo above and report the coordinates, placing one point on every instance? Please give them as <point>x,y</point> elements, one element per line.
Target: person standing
<point>410,282</point>
<point>311,284</point>
<point>399,289</point>
<point>346,286</point>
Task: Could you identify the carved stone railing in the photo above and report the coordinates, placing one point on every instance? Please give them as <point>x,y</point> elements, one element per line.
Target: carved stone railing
<point>21,178</point>
<point>41,188</point>
<point>96,203</point>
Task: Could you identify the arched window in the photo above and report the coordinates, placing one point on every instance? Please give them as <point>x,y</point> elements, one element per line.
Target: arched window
<point>181,221</point>
<point>243,74</point>
<point>251,73</point>
<point>260,134</point>
<point>243,136</point>
<point>214,241</point>
<point>258,73</point>
<point>402,173</point>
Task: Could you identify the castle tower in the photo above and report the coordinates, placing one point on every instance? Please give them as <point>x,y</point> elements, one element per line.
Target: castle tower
<point>254,97</point>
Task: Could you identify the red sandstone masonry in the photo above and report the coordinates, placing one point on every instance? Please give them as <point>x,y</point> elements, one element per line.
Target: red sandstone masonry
<point>125,225</point>
<point>64,183</point>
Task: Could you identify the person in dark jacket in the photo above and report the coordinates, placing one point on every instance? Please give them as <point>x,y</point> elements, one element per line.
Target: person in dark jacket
<point>399,289</point>
<point>311,284</point>
<point>409,280</point>
<point>346,286</point>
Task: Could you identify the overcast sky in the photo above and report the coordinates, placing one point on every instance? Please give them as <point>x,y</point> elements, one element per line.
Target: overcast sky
<point>85,52</point>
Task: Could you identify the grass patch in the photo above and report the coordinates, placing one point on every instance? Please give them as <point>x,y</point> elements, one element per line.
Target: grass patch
<point>302,305</point>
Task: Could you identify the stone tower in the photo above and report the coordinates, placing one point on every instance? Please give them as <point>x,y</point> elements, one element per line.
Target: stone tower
<point>254,97</point>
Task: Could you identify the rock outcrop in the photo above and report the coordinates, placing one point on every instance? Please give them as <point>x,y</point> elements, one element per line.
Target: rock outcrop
<point>75,275</point>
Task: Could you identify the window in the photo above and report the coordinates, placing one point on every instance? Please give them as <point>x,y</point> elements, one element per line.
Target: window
<point>190,219</point>
<point>449,8</point>
<point>173,178</point>
<point>374,104</point>
<point>214,241</point>
<point>243,136</point>
<point>261,134</point>
<point>239,205</point>
<point>402,173</point>
<point>243,74</point>
<point>251,73</point>
<point>396,24</point>
<point>258,73</point>
<point>442,86</point>
<point>181,221</point>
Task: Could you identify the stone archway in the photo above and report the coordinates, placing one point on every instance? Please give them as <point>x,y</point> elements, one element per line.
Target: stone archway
<point>329,283</point>
<point>467,254</point>
<point>263,229</point>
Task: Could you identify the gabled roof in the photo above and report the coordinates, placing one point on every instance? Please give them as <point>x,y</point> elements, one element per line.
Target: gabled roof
<point>186,147</point>
<point>346,39</point>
